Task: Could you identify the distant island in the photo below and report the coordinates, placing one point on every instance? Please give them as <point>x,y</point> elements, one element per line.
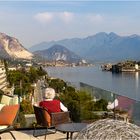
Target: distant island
<point>126,66</point>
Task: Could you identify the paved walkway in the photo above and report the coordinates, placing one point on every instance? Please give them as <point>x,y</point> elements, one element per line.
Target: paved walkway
<point>18,135</point>
<point>28,135</point>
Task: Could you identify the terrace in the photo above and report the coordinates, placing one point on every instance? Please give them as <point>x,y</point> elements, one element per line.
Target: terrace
<point>125,109</point>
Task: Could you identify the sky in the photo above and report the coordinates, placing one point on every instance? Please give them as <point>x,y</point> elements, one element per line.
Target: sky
<point>33,22</point>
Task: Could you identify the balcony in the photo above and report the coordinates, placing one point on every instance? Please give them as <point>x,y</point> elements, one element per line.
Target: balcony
<point>3,85</point>
<point>124,109</point>
<point>2,76</point>
<point>2,81</point>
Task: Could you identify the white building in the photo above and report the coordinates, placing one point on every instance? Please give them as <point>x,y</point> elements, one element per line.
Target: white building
<point>3,80</point>
<point>136,66</point>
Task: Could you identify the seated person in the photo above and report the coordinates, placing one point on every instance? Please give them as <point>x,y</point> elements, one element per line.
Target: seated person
<point>51,104</point>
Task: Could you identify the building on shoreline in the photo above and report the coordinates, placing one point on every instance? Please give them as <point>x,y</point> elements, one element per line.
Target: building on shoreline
<point>127,66</point>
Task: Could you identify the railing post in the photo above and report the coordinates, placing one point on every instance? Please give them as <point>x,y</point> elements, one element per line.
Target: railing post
<point>114,106</point>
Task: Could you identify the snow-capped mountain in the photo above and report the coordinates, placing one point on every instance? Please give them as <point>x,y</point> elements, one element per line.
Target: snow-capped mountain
<point>10,47</point>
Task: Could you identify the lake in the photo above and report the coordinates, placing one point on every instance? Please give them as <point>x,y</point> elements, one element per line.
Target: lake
<point>126,84</point>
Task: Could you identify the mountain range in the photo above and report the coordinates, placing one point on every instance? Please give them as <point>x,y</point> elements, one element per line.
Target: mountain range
<point>99,47</point>
<point>10,47</point>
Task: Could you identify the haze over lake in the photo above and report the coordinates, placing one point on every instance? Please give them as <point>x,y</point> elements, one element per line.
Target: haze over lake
<point>125,83</point>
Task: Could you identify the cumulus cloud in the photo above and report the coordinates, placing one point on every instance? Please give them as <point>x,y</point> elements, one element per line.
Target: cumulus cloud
<point>47,17</point>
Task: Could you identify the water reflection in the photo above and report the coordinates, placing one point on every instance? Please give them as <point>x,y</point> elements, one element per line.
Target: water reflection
<point>137,79</point>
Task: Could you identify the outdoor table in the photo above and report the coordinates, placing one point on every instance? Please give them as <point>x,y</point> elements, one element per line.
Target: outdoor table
<point>70,128</point>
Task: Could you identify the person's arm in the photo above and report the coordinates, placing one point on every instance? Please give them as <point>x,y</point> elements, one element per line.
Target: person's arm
<point>63,108</point>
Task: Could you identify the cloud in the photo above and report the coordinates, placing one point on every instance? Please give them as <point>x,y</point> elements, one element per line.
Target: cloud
<point>47,17</point>
<point>96,18</point>
<point>44,17</point>
<point>66,16</point>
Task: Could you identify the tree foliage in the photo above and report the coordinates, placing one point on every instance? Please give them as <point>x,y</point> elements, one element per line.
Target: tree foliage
<point>101,105</point>
<point>79,103</point>
<point>23,79</point>
<point>58,84</point>
<point>26,107</point>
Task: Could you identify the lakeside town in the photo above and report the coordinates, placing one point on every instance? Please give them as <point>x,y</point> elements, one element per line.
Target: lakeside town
<point>62,63</point>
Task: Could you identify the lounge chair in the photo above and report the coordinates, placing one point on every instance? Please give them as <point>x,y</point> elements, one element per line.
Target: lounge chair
<point>47,120</point>
<point>8,116</point>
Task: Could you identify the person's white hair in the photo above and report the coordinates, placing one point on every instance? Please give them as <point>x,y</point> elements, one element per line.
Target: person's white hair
<point>49,93</point>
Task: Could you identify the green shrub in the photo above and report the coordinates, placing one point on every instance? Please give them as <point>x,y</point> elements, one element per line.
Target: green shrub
<point>100,105</point>
<point>26,107</point>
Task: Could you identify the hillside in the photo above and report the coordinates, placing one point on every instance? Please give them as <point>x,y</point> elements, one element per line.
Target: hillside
<point>10,47</point>
<point>58,52</point>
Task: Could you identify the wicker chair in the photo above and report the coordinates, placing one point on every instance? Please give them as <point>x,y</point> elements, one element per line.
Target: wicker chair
<point>44,119</point>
